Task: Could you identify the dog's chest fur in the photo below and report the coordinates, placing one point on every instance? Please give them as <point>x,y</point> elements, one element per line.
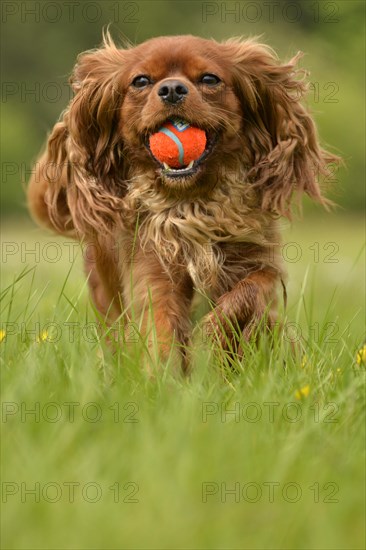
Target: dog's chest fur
<point>218,240</point>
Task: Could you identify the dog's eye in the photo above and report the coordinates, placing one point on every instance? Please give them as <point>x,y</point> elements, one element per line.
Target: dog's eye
<point>209,79</point>
<point>141,81</point>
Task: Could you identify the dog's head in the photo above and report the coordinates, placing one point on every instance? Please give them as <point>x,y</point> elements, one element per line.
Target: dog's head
<point>188,78</point>
<point>247,103</point>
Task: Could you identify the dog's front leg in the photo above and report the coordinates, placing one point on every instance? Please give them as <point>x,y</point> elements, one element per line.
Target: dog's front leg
<point>243,308</point>
<point>160,304</point>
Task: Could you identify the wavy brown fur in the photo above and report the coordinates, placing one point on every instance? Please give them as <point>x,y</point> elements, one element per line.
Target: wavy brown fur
<point>217,230</point>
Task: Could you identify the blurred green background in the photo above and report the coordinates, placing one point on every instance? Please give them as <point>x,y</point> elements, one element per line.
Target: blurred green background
<point>41,40</point>
<point>170,451</point>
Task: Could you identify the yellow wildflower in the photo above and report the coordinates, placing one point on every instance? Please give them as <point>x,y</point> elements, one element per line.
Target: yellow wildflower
<point>303,392</point>
<point>361,356</point>
<point>43,336</point>
<point>2,335</point>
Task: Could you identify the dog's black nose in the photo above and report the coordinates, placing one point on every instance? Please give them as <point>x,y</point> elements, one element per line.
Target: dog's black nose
<point>172,91</point>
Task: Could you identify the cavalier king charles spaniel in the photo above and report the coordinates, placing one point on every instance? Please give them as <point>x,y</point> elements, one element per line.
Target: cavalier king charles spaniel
<point>157,234</point>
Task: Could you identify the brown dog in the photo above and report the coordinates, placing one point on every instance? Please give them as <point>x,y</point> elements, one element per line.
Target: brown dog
<point>160,233</point>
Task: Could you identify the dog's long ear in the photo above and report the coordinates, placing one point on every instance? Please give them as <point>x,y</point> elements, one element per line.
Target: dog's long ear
<point>281,135</point>
<point>87,142</point>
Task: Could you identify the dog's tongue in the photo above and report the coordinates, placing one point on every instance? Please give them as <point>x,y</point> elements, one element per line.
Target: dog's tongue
<point>177,143</point>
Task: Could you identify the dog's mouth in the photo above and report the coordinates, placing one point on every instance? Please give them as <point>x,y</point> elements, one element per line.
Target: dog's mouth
<point>185,170</point>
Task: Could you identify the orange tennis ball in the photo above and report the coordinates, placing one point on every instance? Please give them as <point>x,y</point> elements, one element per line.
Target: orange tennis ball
<point>177,143</point>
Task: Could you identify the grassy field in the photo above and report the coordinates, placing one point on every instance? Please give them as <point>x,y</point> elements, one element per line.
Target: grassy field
<point>96,455</point>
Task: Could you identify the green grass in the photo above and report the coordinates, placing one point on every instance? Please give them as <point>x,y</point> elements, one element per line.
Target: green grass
<point>165,454</point>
